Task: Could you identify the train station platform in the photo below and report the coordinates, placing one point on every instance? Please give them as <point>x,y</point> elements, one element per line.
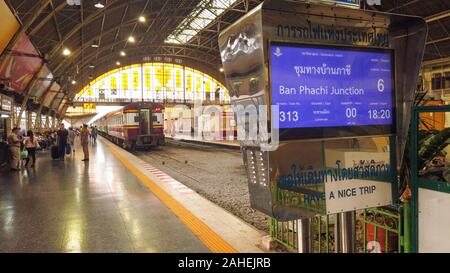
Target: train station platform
<point>114,203</point>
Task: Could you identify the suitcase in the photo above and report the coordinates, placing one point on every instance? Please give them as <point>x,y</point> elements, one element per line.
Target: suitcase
<point>68,149</point>
<point>54,152</point>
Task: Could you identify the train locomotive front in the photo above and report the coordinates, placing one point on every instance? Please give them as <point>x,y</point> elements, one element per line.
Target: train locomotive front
<point>137,125</point>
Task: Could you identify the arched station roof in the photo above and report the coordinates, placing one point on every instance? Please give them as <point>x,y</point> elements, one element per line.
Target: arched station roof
<point>56,25</point>
<point>96,34</point>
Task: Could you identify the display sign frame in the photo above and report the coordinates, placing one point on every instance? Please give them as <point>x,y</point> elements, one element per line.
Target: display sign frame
<point>307,133</point>
<point>286,177</point>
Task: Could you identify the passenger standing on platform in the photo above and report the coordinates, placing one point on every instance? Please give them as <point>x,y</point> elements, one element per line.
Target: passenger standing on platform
<point>172,128</point>
<point>94,134</point>
<point>14,148</point>
<point>31,144</point>
<point>85,142</point>
<point>90,133</point>
<point>71,139</point>
<point>61,141</point>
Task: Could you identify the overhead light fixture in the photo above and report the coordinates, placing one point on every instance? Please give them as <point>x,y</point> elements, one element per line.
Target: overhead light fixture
<point>122,53</point>
<point>66,52</point>
<point>5,116</point>
<point>131,39</point>
<point>92,66</point>
<point>99,5</point>
<point>221,69</point>
<point>74,82</point>
<point>142,19</point>
<point>94,45</point>
<point>117,63</point>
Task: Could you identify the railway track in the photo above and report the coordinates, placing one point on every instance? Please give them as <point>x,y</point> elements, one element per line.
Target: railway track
<point>216,173</point>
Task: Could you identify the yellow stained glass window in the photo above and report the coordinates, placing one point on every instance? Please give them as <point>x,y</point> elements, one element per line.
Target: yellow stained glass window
<point>189,82</point>
<point>178,78</point>
<point>135,80</point>
<point>125,84</point>
<point>147,77</point>
<point>208,84</point>
<point>113,83</point>
<point>158,80</point>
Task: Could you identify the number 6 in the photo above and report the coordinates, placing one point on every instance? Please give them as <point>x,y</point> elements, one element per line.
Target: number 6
<point>381,85</point>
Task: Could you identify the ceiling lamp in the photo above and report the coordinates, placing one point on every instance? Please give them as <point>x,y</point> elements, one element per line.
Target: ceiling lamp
<point>92,66</point>
<point>99,5</point>
<point>142,19</point>
<point>117,63</point>
<point>221,69</point>
<point>122,53</point>
<point>66,52</point>
<point>74,82</point>
<point>95,45</point>
<point>131,39</point>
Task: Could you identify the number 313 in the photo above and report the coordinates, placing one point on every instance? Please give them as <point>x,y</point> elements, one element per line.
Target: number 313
<point>288,116</point>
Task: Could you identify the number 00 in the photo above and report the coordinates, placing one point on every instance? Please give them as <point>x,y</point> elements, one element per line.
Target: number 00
<point>351,112</point>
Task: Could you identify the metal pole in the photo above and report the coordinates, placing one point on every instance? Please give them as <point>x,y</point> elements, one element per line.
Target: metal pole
<point>345,231</point>
<point>337,233</point>
<point>304,235</point>
<point>406,227</point>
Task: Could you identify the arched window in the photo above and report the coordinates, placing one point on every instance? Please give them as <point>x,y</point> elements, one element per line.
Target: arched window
<point>154,82</point>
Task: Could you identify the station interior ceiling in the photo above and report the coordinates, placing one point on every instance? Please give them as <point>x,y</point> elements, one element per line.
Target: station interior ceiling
<point>97,35</point>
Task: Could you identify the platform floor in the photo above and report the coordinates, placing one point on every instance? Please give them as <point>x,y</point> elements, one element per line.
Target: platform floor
<point>99,206</point>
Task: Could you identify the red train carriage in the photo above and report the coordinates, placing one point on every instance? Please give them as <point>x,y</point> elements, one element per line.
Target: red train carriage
<point>137,125</point>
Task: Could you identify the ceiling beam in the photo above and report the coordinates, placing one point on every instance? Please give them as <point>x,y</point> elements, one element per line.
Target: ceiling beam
<point>438,16</point>
<point>438,40</point>
<point>88,59</point>
<point>48,17</point>
<point>109,65</point>
<point>87,21</point>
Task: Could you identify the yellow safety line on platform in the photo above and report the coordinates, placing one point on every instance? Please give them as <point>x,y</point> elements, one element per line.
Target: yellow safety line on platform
<point>210,238</point>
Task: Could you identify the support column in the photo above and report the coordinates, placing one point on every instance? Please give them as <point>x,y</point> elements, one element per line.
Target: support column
<point>304,236</point>
<point>345,234</point>
<point>27,92</point>
<point>63,110</point>
<point>47,121</point>
<point>53,120</point>
<point>29,120</point>
<point>39,111</point>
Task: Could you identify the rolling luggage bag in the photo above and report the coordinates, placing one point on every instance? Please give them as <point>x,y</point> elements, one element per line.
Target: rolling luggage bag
<point>68,149</point>
<point>54,152</point>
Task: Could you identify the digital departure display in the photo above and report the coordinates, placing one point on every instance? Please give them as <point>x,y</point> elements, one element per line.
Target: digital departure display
<point>332,87</point>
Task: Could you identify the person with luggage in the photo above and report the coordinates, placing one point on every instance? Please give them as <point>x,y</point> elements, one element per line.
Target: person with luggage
<point>31,144</point>
<point>94,134</point>
<point>85,142</point>
<point>14,141</point>
<point>71,139</point>
<point>61,141</point>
